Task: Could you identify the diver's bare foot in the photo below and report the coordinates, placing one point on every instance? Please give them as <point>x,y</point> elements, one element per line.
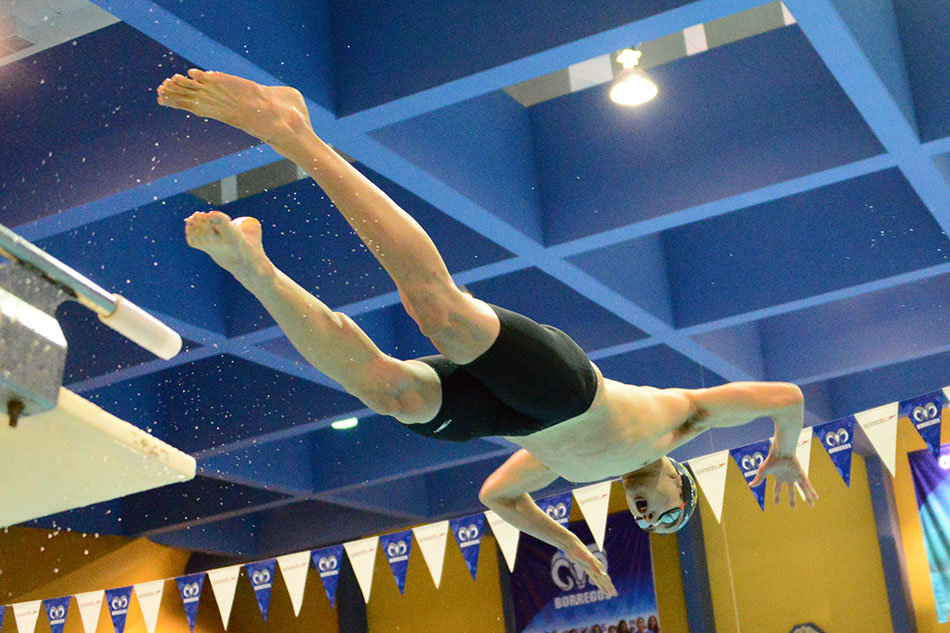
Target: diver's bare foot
<point>269,113</point>
<point>235,245</point>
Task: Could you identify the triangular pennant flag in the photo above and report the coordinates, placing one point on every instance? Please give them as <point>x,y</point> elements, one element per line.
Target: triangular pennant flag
<point>224,583</point>
<point>558,507</point>
<point>593,502</point>
<point>262,580</point>
<point>432,539</point>
<point>468,532</point>
<point>362,555</point>
<point>749,458</point>
<point>150,599</point>
<point>117,601</point>
<point>837,437</point>
<point>3,610</point>
<point>397,548</point>
<point>56,610</point>
<point>925,413</point>
<point>90,606</point>
<point>710,474</point>
<point>327,561</point>
<point>880,427</point>
<point>189,588</point>
<point>803,454</point>
<point>507,536</point>
<point>293,567</point>
<point>25,614</point>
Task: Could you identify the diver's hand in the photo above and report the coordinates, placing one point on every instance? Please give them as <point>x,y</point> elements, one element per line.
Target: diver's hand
<point>578,554</point>
<point>786,470</point>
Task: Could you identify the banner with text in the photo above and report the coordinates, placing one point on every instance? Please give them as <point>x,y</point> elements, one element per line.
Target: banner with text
<point>468,533</point>
<point>552,594</point>
<point>749,458</point>
<point>925,413</point>
<point>837,437</point>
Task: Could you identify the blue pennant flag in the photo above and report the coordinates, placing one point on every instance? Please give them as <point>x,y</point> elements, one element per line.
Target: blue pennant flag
<point>190,589</point>
<point>118,601</point>
<point>328,561</point>
<point>558,507</point>
<point>468,533</point>
<point>2,610</point>
<point>262,579</point>
<point>749,458</point>
<point>397,547</point>
<point>925,413</point>
<point>56,609</point>
<point>837,437</point>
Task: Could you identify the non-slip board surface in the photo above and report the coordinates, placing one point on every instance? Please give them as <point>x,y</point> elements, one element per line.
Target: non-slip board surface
<point>78,454</point>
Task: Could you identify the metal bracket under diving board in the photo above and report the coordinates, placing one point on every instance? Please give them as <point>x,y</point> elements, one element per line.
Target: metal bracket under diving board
<point>66,452</point>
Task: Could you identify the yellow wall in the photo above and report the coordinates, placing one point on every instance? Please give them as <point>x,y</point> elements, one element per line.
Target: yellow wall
<point>771,570</point>
<point>71,563</point>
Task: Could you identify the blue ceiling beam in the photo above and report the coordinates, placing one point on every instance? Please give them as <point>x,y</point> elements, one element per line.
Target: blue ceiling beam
<point>148,193</point>
<point>825,23</point>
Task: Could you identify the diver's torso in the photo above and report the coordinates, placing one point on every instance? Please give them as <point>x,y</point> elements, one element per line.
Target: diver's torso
<point>622,430</point>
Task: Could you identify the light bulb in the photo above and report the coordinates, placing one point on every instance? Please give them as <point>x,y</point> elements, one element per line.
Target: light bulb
<point>632,87</point>
<point>348,423</point>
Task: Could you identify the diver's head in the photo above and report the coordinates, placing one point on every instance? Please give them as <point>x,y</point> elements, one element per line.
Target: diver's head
<point>661,495</point>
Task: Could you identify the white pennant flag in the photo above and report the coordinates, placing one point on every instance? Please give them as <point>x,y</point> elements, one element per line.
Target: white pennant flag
<point>946,393</point>
<point>803,454</point>
<point>431,540</point>
<point>710,474</point>
<point>224,583</point>
<point>880,427</point>
<point>507,536</point>
<point>26,613</point>
<point>593,501</point>
<point>150,599</point>
<point>90,607</point>
<point>362,555</point>
<point>293,567</point>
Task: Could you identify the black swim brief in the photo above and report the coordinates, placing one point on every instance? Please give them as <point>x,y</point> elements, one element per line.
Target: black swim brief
<point>532,377</point>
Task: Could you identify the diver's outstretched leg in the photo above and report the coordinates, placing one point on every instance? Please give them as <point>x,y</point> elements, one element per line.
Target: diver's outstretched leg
<point>460,326</point>
<point>330,341</point>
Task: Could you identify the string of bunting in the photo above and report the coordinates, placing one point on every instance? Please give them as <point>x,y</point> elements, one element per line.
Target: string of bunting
<point>878,426</point>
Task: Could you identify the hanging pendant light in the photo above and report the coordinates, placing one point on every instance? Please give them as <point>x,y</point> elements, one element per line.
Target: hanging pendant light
<point>632,85</point>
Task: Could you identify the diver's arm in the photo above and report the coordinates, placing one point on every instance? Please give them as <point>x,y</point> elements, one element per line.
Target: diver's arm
<point>506,493</point>
<point>738,403</point>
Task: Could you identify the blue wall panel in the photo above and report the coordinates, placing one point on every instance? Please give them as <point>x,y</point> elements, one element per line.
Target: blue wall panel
<point>733,119</point>
<point>77,132</point>
<point>386,50</point>
<point>825,239</point>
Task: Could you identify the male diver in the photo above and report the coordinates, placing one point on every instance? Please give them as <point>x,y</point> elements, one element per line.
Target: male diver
<point>498,372</point>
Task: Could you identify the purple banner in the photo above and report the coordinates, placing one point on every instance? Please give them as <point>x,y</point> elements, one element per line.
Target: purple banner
<point>327,561</point>
<point>118,602</point>
<point>925,413</point>
<point>552,594</point>
<point>749,458</point>
<point>468,534</point>
<point>931,478</point>
<point>189,587</point>
<point>558,507</point>
<point>397,547</point>
<point>262,580</point>
<point>56,610</point>
<point>837,437</point>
